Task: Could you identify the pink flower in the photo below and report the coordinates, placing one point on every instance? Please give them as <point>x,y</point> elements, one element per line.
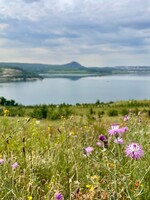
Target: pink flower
<point>119,140</point>
<point>15,165</point>
<point>115,126</point>
<point>116,130</point>
<point>134,150</point>
<point>89,150</point>
<point>126,118</point>
<point>1,160</point>
<point>99,144</point>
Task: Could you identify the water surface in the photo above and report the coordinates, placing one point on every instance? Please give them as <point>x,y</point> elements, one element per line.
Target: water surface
<point>82,90</point>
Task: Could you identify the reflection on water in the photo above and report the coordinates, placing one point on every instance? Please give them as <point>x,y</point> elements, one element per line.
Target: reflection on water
<point>83,90</point>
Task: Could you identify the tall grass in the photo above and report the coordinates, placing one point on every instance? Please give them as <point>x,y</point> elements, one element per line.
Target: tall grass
<point>51,158</point>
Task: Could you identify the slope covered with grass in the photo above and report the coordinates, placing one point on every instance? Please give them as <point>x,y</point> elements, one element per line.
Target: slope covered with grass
<point>75,158</point>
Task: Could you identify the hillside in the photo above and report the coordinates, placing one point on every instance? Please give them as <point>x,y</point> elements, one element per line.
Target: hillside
<point>83,152</point>
<point>15,74</point>
<point>45,68</point>
<point>36,70</point>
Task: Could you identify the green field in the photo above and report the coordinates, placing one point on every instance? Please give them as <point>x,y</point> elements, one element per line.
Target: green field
<point>43,152</point>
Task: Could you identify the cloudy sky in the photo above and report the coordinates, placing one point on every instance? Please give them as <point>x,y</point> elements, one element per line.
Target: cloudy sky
<point>91,32</point>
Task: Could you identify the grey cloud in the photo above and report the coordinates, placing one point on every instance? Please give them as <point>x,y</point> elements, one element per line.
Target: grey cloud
<point>81,27</point>
<point>30,1</point>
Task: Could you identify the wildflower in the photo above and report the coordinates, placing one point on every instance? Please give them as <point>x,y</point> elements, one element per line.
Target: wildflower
<point>115,126</point>
<point>72,133</point>
<point>30,198</point>
<point>88,186</point>
<point>99,144</point>
<point>1,160</point>
<point>15,165</point>
<point>134,150</point>
<point>119,140</point>
<point>126,118</point>
<point>88,150</point>
<point>94,177</point>
<point>6,112</point>
<point>115,129</point>
<point>102,138</point>
<point>58,196</point>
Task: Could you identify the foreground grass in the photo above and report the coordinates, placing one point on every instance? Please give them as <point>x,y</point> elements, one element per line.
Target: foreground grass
<point>51,158</point>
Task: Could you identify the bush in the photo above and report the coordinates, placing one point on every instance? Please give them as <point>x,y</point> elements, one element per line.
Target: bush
<point>57,113</point>
<point>112,113</point>
<point>16,111</point>
<point>40,112</point>
<point>124,112</point>
<point>100,113</point>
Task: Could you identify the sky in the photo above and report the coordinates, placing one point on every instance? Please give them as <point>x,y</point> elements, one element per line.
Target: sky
<point>92,32</point>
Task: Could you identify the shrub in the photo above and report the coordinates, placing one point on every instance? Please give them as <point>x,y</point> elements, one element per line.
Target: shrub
<point>124,112</point>
<point>40,112</point>
<point>113,113</point>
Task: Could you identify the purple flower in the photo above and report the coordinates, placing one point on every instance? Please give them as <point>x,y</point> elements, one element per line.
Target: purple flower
<point>15,165</point>
<point>134,150</point>
<point>119,140</point>
<point>1,160</point>
<point>115,130</point>
<point>122,130</point>
<point>58,196</point>
<point>102,138</point>
<point>89,150</point>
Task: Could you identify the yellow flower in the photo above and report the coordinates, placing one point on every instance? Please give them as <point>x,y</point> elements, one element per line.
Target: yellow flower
<point>72,133</point>
<point>30,198</point>
<point>92,188</point>
<point>6,112</point>
<point>88,186</point>
<point>94,177</point>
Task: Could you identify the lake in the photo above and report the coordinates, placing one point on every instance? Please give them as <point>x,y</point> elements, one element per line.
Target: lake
<point>78,90</point>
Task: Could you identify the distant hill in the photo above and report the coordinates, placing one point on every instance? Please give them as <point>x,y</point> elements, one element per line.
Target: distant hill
<point>36,70</point>
<point>45,68</point>
<point>69,68</point>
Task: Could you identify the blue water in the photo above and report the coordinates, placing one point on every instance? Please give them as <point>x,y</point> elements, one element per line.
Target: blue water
<point>83,90</point>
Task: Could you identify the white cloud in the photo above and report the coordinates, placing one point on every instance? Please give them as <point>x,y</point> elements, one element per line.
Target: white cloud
<point>92,31</point>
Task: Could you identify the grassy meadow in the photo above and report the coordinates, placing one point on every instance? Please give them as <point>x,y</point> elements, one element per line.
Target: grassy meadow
<point>66,152</point>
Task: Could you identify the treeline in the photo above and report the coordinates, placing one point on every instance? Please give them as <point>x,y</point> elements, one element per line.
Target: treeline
<point>6,102</point>
<point>92,111</point>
